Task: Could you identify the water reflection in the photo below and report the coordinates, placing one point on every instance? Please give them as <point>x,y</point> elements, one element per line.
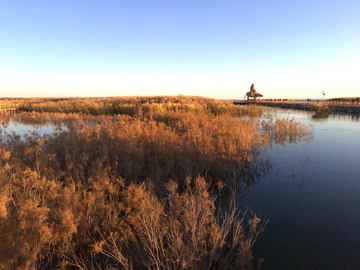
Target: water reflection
<point>311,197</point>
<point>279,131</point>
<point>302,115</point>
<point>17,125</point>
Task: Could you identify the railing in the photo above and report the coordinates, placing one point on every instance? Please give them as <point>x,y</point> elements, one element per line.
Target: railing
<point>5,107</point>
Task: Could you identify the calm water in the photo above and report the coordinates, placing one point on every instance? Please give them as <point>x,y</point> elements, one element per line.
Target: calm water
<point>312,198</point>
<point>13,126</point>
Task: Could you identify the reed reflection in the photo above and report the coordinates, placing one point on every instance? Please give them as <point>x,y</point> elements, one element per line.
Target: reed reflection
<point>283,113</point>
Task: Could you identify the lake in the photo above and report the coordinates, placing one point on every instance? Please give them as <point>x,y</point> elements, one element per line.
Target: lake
<point>312,198</point>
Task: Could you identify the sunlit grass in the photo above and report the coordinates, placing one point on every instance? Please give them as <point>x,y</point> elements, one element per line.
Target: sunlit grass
<point>136,105</point>
<point>110,190</point>
<point>320,108</point>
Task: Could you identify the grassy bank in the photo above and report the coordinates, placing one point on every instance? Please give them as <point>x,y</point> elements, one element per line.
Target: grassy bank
<point>133,192</point>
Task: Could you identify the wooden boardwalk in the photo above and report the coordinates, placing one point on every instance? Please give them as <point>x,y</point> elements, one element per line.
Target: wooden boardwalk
<point>297,102</point>
<point>8,107</point>
<point>345,107</point>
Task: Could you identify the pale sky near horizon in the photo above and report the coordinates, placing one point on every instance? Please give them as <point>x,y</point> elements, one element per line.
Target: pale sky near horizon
<point>213,48</point>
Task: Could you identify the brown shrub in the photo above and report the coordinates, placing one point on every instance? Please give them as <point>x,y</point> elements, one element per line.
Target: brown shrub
<point>182,231</point>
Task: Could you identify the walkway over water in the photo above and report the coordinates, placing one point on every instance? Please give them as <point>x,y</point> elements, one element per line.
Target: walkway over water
<point>8,107</point>
<point>334,106</point>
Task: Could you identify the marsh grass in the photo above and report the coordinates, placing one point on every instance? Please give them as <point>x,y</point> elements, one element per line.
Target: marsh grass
<point>136,105</point>
<point>319,108</point>
<point>132,192</point>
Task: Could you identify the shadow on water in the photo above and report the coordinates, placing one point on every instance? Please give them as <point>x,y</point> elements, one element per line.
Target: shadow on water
<point>240,180</point>
<point>280,133</point>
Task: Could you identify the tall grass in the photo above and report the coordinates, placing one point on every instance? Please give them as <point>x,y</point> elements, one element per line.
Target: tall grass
<point>132,192</point>
<point>320,108</point>
<point>136,105</point>
<point>167,145</point>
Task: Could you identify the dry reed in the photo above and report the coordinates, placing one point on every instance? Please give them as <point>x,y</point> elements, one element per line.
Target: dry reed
<point>136,105</point>
<point>131,192</point>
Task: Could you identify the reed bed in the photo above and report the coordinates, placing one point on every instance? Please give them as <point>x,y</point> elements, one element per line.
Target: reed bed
<point>133,192</point>
<point>137,105</point>
<point>320,108</point>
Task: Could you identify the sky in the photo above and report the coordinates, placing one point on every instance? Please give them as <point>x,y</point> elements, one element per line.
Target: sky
<point>213,48</point>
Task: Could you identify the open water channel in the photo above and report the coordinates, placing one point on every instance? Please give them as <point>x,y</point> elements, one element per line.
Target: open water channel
<point>311,196</point>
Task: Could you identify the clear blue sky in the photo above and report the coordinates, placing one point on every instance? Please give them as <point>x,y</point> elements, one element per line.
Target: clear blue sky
<point>213,48</point>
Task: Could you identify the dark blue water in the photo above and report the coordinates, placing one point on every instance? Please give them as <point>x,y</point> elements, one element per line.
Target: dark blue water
<point>312,198</point>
